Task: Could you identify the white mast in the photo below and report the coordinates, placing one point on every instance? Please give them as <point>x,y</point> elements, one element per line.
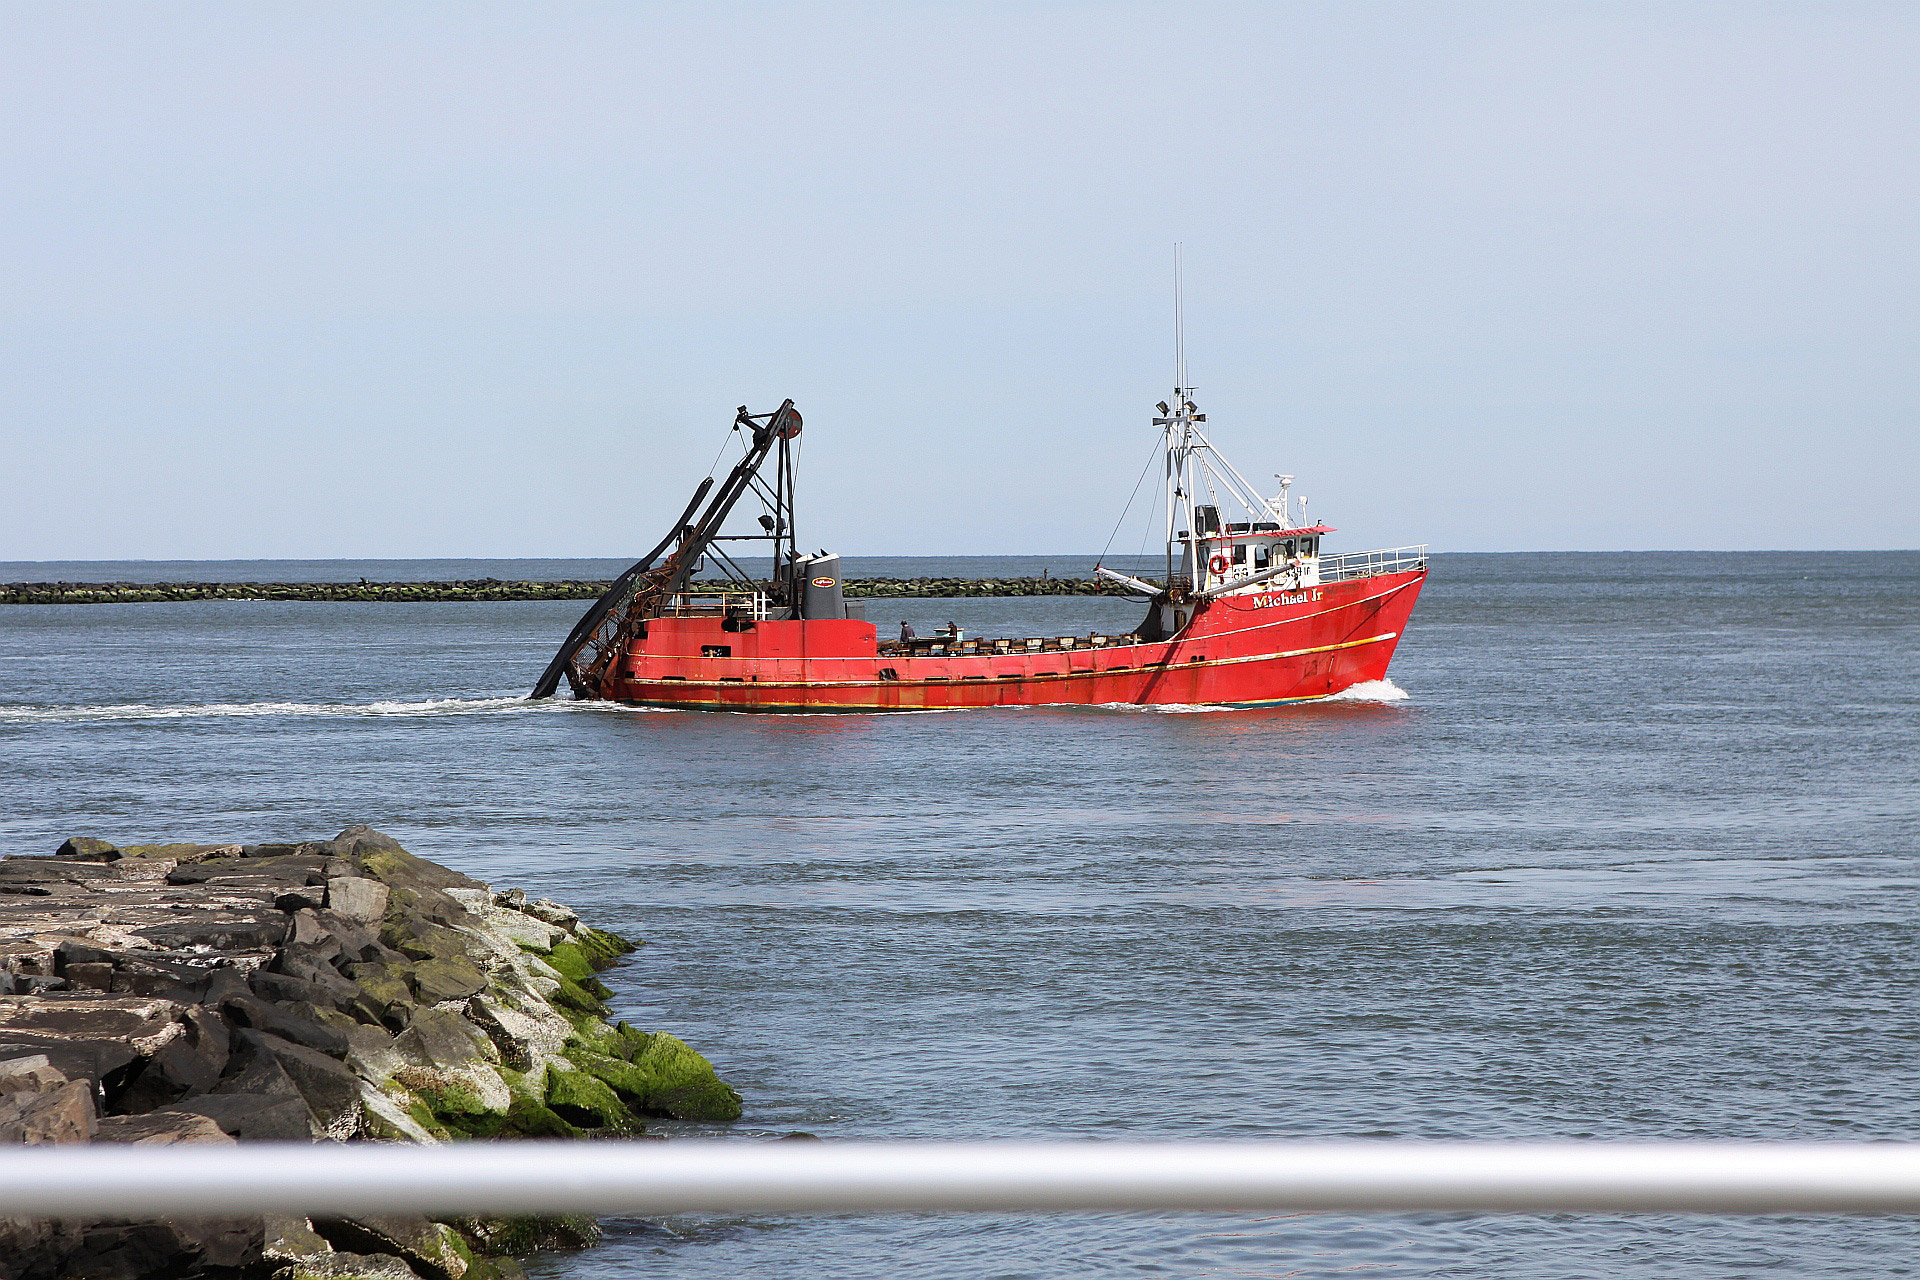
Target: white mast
<point>1192,461</point>
<point>1176,423</point>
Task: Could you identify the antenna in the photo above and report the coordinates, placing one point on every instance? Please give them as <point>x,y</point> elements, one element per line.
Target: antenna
<point>1179,323</point>
<point>1286,510</point>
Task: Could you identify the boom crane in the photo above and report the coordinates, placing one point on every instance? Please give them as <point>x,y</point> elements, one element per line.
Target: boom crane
<point>640,592</point>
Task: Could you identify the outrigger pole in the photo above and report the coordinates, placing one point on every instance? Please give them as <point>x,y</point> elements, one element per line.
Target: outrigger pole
<point>638,593</point>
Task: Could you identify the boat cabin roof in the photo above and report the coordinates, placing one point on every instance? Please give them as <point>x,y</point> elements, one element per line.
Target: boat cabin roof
<point>1246,533</point>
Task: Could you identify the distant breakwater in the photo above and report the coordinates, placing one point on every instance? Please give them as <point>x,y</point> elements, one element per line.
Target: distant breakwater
<point>478,589</point>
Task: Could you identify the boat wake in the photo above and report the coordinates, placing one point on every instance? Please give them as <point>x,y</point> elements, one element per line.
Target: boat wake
<point>1371,691</point>
<point>241,710</point>
<point>1379,691</point>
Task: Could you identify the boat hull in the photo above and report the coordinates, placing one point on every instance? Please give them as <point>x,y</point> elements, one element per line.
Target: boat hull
<point>1256,649</point>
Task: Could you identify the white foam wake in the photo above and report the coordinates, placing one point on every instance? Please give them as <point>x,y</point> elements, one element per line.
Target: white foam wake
<point>1371,691</point>
<point>223,710</point>
<point>1366,691</point>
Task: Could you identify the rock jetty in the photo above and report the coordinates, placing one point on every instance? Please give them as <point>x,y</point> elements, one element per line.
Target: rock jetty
<point>493,589</point>
<point>369,592</point>
<point>882,588</point>
<point>335,990</point>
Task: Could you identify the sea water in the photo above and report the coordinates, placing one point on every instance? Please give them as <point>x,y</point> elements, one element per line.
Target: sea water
<point>1626,848</point>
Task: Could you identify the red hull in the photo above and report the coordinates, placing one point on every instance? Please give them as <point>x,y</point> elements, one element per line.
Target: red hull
<point>1248,650</point>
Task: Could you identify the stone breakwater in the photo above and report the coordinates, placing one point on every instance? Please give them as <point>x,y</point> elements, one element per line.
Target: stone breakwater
<point>491,589</point>
<point>336,990</point>
<point>882,588</point>
<point>371,592</point>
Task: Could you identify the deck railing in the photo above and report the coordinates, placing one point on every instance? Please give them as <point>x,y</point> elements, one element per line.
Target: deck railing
<point>1368,564</point>
<point>865,1177</point>
<point>738,604</point>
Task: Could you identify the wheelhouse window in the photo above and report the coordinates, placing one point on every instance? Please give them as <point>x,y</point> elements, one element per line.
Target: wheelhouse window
<point>1306,546</point>
<point>1262,555</point>
<point>1239,553</point>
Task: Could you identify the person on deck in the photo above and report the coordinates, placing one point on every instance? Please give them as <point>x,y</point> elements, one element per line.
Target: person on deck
<point>906,632</point>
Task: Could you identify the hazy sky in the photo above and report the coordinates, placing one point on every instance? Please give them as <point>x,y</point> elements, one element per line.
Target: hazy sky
<point>489,280</point>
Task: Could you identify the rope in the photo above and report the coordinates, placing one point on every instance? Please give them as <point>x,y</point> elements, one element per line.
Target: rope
<point>1129,507</point>
<point>1147,532</point>
<point>732,437</point>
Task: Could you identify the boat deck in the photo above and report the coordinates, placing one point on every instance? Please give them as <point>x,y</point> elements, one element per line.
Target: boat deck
<point>942,643</point>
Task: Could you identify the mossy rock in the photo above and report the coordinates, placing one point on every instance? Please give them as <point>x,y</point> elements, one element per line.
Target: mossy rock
<point>578,1004</point>
<point>386,987</point>
<point>89,849</point>
<point>522,1234</point>
<point>582,1099</point>
<point>632,1083</point>
<point>436,980</point>
<point>380,856</point>
<point>415,885</point>
<point>524,1118</point>
<point>624,1042</point>
<point>456,1098</point>
<point>571,961</point>
<point>584,955</point>
<point>527,1118</point>
<point>658,1074</point>
<point>632,1040</point>
<point>424,940</point>
<point>688,1087</point>
<point>421,1113</point>
<point>404,903</point>
<point>602,948</point>
<point>432,1249</point>
<point>180,851</point>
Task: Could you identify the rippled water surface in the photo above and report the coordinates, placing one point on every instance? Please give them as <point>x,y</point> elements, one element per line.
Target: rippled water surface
<point>1628,850</point>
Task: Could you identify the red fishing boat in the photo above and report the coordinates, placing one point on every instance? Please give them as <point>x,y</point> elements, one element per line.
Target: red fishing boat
<point>1250,611</point>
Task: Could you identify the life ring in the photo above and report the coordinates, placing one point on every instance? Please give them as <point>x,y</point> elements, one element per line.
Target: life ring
<point>1217,565</point>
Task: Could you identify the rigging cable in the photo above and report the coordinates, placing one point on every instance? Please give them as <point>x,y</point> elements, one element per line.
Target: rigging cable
<point>732,437</point>
<point>1123,511</point>
<point>1147,532</point>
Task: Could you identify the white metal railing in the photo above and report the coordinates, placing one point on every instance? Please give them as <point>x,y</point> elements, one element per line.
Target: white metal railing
<point>809,1177</point>
<point>750,604</point>
<point>1367,564</point>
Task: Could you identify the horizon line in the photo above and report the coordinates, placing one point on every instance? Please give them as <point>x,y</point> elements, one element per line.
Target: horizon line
<point>949,555</point>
